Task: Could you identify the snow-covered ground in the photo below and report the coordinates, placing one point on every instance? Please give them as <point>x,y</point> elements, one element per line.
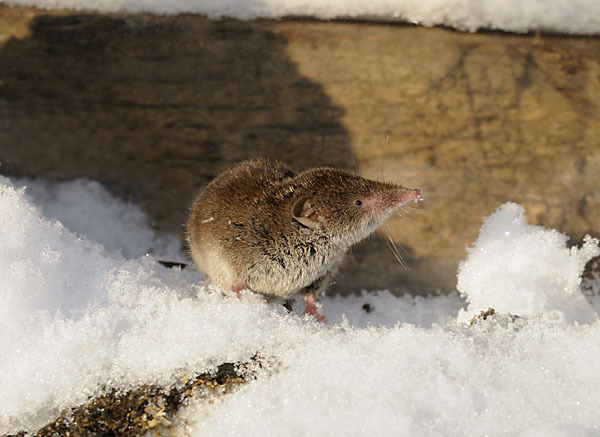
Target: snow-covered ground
<point>570,16</point>
<point>83,307</point>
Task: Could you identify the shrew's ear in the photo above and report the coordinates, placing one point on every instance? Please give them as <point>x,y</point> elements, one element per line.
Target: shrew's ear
<point>305,214</point>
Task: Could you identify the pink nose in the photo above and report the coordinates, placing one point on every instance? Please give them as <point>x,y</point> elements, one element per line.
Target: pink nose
<point>408,195</point>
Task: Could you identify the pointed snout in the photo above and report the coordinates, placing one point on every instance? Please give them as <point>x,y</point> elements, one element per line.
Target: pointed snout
<point>406,195</point>
<point>387,201</point>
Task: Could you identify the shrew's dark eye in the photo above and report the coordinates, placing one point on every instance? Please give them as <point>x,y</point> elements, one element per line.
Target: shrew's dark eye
<point>358,203</point>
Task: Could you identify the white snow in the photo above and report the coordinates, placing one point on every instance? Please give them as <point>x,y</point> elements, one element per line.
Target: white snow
<point>570,16</point>
<point>76,318</point>
<point>86,207</point>
<point>532,270</point>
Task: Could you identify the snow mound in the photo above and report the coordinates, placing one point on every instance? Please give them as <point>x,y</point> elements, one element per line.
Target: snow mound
<point>575,16</point>
<point>77,319</point>
<point>87,208</point>
<point>523,269</point>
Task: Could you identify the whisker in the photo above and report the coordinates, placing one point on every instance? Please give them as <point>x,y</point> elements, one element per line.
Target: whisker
<point>405,217</point>
<point>393,247</point>
<point>400,247</point>
<point>392,250</point>
<point>403,232</point>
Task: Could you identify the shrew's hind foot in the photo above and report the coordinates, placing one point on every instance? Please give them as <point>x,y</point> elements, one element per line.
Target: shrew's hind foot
<point>312,307</point>
<point>237,289</point>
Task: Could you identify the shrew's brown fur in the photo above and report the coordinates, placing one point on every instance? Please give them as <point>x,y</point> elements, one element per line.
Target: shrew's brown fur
<point>262,227</point>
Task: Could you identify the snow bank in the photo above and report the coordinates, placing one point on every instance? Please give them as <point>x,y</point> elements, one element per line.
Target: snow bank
<point>76,319</point>
<point>575,16</point>
<point>500,379</point>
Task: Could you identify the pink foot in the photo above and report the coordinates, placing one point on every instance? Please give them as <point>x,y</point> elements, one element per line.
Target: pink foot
<point>237,289</point>
<point>311,307</point>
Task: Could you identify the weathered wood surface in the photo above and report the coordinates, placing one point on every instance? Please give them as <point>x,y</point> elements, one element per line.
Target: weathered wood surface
<point>154,107</point>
